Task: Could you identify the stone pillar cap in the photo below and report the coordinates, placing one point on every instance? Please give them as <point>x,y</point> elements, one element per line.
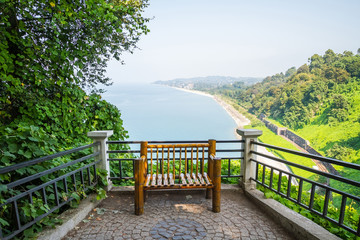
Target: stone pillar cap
<point>100,134</point>
<point>252,133</point>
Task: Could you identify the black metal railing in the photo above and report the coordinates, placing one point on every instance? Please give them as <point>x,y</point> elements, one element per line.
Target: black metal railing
<point>230,151</point>
<point>27,200</point>
<point>307,190</point>
<point>52,188</point>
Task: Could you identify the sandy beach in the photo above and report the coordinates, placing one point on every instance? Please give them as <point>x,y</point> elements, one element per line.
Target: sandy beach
<point>240,121</point>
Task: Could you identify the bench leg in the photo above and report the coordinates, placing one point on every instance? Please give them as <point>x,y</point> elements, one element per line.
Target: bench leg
<point>139,186</point>
<point>217,185</point>
<point>210,174</point>
<point>139,202</point>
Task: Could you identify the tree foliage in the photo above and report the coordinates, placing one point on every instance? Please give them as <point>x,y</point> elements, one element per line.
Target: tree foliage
<point>50,52</point>
<point>66,41</point>
<point>52,56</point>
<point>326,84</point>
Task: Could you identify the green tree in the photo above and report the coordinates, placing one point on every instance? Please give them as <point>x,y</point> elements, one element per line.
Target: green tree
<point>68,41</point>
<point>52,55</point>
<point>47,47</point>
<point>316,61</point>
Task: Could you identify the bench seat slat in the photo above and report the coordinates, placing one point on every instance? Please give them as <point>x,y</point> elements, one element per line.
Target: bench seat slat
<point>201,179</point>
<point>189,179</point>
<point>153,180</point>
<point>165,180</point>
<point>178,186</point>
<point>147,180</point>
<point>207,180</point>
<point>196,181</point>
<point>172,183</point>
<point>159,180</point>
<point>183,181</point>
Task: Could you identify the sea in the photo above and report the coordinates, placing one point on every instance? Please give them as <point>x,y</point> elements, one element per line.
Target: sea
<point>158,112</point>
<point>152,112</point>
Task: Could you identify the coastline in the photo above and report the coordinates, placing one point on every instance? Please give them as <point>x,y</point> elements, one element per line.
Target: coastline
<point>193,91</point>
<point>241,121</point>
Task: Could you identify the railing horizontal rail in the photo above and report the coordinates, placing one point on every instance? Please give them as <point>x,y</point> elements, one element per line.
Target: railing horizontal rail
<point>29,224</point>
<point>38,175</point>
<point>182,141</point>
<point>53,192</point>
<point>230,141</point>
<point>230,150</point>
<point>45,158</point>
<point>138,151</point>
<point>310,207</point>
<point>312,156</point>
<point>121,178</point>
<point>329,175</point>
<point>308,180</point>
<point>223,147</point>
<point>37,188</point>
<point>183,158</point>
<point>121,159</point>
<point>155,142</point>
<point>123,151</point>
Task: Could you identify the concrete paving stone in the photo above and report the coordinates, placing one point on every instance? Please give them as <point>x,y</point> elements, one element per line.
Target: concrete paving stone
<point>180,218</point>
<point>177,238</point>
<point>217,238</point>
<point>187,237</point>
<point>156,236</point>
<point>144,234</point>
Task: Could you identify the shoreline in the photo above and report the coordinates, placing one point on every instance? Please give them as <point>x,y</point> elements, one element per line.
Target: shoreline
<point>239,119</point>
<point>193,91</point>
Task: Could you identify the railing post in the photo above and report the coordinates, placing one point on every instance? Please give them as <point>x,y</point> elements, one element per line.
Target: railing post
<point>212,151</point>
<point>139,175</point>
<point>102,137</point>
<point>248,167</point>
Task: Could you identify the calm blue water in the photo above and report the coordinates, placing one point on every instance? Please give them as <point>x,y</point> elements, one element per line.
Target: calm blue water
<point>156,112</point>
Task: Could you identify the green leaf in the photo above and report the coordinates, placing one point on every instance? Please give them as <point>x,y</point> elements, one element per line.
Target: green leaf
<point>13,147</point>
<point>28,154</point>
<point>3,188</point>
<point>3,222</point>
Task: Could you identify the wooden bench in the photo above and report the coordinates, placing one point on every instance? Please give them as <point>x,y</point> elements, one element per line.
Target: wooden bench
<point>177,166</point>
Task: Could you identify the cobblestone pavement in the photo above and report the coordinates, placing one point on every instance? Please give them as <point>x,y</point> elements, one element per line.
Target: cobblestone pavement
<point>181,215</point>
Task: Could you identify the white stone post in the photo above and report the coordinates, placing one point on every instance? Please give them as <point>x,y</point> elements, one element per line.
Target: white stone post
<point>248,167</point>
<point>102,137</point>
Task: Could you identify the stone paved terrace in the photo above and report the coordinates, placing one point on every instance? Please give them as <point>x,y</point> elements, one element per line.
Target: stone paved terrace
<point>178,215</point>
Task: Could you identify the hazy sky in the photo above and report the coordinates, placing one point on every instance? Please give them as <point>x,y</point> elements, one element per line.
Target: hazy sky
<point>257,38</point>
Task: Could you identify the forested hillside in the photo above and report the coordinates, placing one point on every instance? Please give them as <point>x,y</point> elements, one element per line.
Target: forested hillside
<point>320,101</point>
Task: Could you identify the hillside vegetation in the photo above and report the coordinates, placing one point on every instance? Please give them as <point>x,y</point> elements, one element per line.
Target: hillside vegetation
<point>319,100</point>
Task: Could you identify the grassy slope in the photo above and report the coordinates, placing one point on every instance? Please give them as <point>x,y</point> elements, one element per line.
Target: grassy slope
<point>324,136</point>
<point>273,139</point>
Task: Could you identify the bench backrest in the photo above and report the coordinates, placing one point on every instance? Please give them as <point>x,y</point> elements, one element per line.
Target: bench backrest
<point>176,161</point>
<point>177,166</point>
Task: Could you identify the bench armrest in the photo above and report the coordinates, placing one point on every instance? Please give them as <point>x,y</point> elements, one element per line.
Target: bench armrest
<point>213,157</point>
